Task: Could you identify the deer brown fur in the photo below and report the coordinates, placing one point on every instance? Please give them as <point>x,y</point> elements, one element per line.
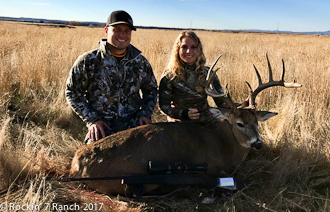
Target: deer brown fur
<point>128,152</point>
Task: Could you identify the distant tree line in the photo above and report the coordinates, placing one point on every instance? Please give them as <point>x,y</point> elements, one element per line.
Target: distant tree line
<point>77,23</point>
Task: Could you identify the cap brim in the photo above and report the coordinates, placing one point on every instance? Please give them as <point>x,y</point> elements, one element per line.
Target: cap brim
<point>123,22</point>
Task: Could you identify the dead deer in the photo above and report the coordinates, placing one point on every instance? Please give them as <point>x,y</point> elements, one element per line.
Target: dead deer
<point>222,148</point>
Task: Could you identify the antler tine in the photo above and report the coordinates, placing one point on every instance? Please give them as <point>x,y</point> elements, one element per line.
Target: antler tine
<point>258,75</point>
<point>289,84</point>
<point>251,90</point>
<point>292,84</point>
<point>247,101</point>
<point>249,98</point>
<point>209,80</point>
<point>209,90</point>
<point>283,73</point>
<point>269,69</point>
<point>214,63</point>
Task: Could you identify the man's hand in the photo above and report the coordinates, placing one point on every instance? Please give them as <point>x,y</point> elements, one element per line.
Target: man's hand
<point>144,120</point>
<point>95,128</point>
<point>193,113</point>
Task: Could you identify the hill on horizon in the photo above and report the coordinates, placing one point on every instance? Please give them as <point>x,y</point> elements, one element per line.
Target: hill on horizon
<point>102,24</point>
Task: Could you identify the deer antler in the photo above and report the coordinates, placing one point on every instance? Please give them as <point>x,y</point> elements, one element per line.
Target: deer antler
<point>209,80</point>
<point>209,90</point>
<point>270,83</point>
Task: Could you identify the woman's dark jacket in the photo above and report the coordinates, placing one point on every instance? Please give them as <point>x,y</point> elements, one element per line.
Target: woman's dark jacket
<point>177,96</point>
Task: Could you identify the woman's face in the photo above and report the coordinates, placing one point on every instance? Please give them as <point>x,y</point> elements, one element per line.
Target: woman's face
<point>188,51</point>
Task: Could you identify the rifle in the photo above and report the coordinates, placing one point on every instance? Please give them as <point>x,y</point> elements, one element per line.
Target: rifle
<point>177,174</point>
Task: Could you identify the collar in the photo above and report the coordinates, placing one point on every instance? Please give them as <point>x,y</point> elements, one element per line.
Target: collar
<point>131,52</point>
<point>192,67</point>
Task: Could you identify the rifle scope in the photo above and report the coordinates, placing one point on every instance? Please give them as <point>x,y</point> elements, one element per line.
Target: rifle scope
<point>158,168</point>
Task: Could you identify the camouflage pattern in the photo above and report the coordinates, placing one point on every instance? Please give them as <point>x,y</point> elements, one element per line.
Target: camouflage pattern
<point>176,95</point>
<point>100,88</point>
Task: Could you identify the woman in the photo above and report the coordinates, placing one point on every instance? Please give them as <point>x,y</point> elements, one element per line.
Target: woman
<point>182,87</point>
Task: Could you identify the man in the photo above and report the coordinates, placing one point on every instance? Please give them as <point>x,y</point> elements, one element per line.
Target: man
<point>104,84</point>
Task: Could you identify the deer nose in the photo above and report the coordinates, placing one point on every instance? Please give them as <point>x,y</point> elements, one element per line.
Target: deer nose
<point>257,144</point>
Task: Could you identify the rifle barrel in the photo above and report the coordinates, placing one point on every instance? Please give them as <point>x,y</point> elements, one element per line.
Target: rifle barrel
<point>68,179</point>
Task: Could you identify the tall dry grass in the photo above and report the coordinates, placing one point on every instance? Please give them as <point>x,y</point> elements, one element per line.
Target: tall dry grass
<point>39,133</point>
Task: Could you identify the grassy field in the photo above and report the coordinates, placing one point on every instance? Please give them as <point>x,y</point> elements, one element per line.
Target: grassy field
<point>39,133</point>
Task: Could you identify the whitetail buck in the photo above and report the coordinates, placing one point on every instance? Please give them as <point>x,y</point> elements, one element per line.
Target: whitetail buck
<point>222,148</point>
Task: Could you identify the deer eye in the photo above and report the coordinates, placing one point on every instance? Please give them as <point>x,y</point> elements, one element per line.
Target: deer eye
<point>239,125</point>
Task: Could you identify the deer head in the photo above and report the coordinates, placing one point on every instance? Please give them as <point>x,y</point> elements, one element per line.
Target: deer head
<point>244,117</point>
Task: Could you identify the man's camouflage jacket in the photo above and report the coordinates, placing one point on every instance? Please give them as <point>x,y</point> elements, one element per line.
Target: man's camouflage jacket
<point>100,88</point>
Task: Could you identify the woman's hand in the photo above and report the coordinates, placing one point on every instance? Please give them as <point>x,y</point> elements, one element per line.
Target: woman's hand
<point>193,113</point>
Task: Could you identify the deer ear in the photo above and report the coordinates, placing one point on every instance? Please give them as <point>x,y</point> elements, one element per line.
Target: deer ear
<point>265,115</point>
<point>220,113</point>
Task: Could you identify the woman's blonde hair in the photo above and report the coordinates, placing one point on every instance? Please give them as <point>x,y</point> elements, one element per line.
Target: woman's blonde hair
<point>176,67</point>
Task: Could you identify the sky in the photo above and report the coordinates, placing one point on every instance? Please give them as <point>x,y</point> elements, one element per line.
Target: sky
<point>284,15</point>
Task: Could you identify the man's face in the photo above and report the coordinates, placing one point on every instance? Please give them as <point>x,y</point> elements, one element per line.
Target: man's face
<point>119,36</point>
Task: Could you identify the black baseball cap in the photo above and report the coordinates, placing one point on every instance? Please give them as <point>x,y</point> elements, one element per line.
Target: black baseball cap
<point>120,17</point>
